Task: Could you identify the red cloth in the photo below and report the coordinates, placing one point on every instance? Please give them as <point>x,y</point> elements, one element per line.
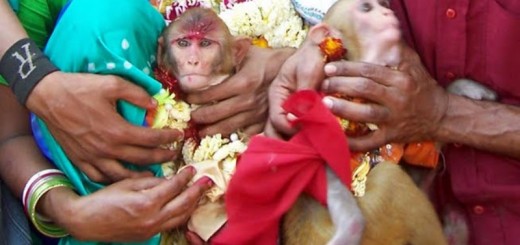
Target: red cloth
<point>272,173</point>
<point>477,40</point>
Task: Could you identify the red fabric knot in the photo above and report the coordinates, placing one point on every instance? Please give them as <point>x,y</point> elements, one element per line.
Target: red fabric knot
<point>257,197</point>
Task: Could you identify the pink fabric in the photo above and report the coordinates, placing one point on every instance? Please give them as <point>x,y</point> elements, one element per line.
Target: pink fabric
<point>479,40</point>
<point>272,173</point>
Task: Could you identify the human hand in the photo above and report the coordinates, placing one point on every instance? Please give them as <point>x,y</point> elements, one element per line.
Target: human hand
<point>241,100</point>
<point>80,111</point>
<point>129,210</point>
<point>303,70</point>
<point>406,104</point>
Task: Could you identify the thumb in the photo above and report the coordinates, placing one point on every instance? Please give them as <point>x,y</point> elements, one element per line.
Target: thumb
<point>133,94</point>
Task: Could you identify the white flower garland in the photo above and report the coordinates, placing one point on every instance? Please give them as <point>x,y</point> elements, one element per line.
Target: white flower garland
<point>274,20</point>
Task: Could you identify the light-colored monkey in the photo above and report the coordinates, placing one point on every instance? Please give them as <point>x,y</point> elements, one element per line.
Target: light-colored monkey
<point>394,209</point>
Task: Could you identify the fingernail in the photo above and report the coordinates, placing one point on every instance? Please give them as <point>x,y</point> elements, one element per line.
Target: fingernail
<point>205,181</point>
<point>330,69</point>
<point>328,102</point>
<point>291,117</point>
<point>192,170</point>
<point>153,103</point>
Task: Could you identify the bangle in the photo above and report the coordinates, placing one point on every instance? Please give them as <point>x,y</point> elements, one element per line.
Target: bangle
<point>23,66</point>
<point>36,187</point>
<point>32,181</point>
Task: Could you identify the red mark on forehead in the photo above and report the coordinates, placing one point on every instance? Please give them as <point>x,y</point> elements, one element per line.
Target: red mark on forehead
<point>198,26</point>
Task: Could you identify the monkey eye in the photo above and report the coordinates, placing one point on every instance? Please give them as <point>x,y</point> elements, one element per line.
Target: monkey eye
<point>183,42</point>
<point>205,42</point>
<point>365,7</point>
<point>385,3</point>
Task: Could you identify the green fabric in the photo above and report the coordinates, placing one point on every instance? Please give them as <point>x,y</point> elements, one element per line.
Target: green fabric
<point>105,37</point>
<point>37,18</point>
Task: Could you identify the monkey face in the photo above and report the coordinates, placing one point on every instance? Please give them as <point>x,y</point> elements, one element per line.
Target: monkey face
<point>374,19</point>
<point>197,61</point>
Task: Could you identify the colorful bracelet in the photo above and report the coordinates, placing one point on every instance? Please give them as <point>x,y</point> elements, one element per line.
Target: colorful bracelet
<point>33,180</point>
<point>36,187</point>
<point>23,66</point>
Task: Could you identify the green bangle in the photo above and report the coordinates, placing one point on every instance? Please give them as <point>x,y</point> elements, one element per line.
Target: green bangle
<point>47,228</point>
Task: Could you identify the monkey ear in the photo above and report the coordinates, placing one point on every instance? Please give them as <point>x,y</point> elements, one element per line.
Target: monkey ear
<point>240,48</point>
<point>160,51</point>
<point>319,32</point>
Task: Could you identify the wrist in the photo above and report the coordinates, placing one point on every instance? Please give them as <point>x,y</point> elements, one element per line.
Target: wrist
<point>39,98</point>
<point>23,66</point>
<point>58,205</point>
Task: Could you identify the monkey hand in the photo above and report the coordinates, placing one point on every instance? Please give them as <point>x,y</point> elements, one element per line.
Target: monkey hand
<point>80,112</point>
<point>240,102</point>
<point>402,100</point>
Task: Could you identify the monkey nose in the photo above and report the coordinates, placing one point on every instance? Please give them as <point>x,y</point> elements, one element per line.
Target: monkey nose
<point>193,62</point>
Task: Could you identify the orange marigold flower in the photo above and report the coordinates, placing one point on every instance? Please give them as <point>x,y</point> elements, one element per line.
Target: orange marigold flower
<point>332,48</point>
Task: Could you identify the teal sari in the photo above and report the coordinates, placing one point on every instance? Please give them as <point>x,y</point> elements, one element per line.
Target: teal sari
<point>116,37</point>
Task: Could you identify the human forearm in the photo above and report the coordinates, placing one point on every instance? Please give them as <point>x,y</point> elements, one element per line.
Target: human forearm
<point>487,126</point>
<point>12,30</point>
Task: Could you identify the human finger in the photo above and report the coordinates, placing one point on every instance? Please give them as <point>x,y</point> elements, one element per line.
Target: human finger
<point>380,74</point>
<point>367,142</point>
<point>356,87</point>
<point>147,137</point>
<point>144,155</point>
<point>254,129</point>
<point>92,172</point>
<point>227,89</point>
<point>122,89</point>
<point>115,171</point>
<point>215,112</point>
<point>360,112</point>
<point>231,124</point>
<point>278,93</point>
<point>169,189</point>
<point>188,199</point>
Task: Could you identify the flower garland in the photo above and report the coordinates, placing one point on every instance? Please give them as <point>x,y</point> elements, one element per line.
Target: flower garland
<point>274,20</point>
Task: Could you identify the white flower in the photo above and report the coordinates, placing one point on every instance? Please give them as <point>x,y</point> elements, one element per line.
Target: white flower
<point>276,21</point>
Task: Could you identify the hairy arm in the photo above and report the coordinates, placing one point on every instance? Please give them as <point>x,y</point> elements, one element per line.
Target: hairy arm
<point>409,105</point>
<point>483,125</point>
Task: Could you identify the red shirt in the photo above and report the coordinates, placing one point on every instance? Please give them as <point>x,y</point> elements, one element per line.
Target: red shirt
<point>479,40</point>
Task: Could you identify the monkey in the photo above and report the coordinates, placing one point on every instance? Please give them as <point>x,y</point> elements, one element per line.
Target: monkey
<point>196,51</point>
<point>394,210</point>
<point>199,51</point>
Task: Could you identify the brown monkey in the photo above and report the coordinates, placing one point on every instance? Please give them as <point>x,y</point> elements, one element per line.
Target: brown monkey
<point>394,209</point>
<point>199,51</point>
<point>195,52</point>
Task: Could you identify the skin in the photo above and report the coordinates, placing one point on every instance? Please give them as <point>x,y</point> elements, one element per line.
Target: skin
<point>129,210</point>
<point>348,20</point>
<point>84,132</point>
<point>404,113</point>
<point>228,103</point>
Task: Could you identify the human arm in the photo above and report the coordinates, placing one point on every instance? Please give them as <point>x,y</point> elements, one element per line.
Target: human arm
<point>241,99</point>
<point>80,112</point>
<point>132,209</point>
<point>411,106</point>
